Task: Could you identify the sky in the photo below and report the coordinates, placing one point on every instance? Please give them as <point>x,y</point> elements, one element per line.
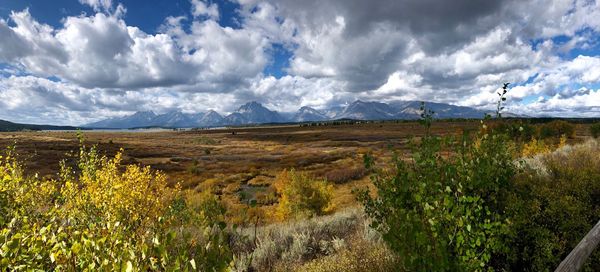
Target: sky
<point>71,62</point>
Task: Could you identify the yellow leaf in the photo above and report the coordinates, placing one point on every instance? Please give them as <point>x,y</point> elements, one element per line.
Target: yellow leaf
<point>129,267</point>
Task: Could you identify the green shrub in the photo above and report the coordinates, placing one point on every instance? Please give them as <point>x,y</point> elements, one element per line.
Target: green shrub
<point>517,130</point>
<point>555,129</point>
<point>556,202</point>
<point>444,213</point>
<point>595,130</point>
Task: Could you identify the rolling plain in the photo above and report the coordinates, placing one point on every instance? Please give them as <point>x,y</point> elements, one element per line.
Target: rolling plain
<point>241,164</point>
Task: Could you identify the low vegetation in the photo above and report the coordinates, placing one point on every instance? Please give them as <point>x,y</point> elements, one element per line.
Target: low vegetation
<point>472,204</point>
<point>510,196</point>
<point>556,129</point>
<point>302,196</point>
<point>444,213</point>
<point>344,175</point>
<point>595,130</point>
<point>103,216</point>
<point>339,242</point>
<point>555,202</point>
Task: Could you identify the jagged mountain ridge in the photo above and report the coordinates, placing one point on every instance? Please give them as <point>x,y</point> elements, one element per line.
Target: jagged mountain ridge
<point>138,119</point>
<point>211,118</point>
<point>255,113</point>
<point>306,114</point>
<point>360,110</point>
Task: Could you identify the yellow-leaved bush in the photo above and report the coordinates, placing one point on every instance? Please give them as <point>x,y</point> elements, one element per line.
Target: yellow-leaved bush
<point>302,196</point>
<point>103,216</point>
<point>535,146</point>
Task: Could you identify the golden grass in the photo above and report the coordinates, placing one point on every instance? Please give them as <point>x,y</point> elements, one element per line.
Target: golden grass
<point>250,157</point>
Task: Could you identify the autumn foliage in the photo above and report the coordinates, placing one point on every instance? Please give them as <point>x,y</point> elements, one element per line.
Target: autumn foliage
<point>302,196</point>
<point>101,215</point>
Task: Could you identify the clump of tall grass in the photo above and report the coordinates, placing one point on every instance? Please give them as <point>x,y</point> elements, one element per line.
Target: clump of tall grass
<point>360,256</point>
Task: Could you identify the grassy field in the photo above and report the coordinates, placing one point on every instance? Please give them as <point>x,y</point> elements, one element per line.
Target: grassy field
<point>284,198</point>
<point>240,164</point>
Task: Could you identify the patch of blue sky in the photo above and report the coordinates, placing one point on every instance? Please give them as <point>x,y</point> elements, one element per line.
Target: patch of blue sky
<point>7,70</point>
<point>589,47</point>
<point>532,98</point>
<point>148,15</point>
<point>281,56</point>
<point>47,12</point>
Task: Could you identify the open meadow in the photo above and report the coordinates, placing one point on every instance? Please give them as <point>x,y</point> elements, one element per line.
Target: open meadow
<point>275,198</point>
<point>240,163</point>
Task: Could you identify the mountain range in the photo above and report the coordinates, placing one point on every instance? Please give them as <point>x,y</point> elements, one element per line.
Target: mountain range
<point>256,113</point>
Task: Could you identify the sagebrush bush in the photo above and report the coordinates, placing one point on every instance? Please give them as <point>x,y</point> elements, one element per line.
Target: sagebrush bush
<point>344,175</point>
<point>361,256</point>
<point>102,216</point>
<point>283,246</point>
<point>205,140</point>
<point>302,196</point>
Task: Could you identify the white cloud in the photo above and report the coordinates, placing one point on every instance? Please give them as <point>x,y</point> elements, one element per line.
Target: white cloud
<point>585,103</point>
<point>200,8</point>
<point>458,52</point>
<point>292,92</point>
<point>102,51</point>
<point>98,5</point>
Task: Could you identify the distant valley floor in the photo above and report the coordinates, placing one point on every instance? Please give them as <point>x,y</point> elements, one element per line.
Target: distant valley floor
<point>243,162</point>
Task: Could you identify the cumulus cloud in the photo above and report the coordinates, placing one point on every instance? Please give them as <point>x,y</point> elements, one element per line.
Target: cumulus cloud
<point>456,50</point>
<point>460,52</point>
<point>98,5</point>
<point>200,8</point>
<point>584,103</point>
<point>102,51</point>
<point>42,101</point>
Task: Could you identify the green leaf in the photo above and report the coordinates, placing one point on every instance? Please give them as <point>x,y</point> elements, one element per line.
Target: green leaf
<point>171,235</point>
